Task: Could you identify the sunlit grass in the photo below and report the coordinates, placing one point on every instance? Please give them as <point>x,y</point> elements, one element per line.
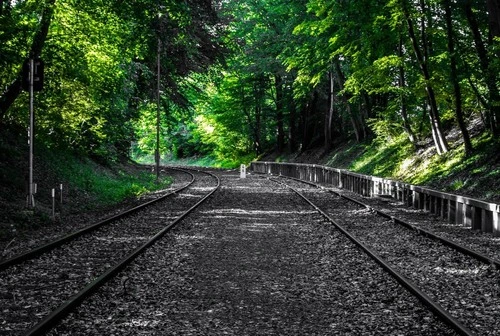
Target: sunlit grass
<point>202,161</point>
<point>382,158</point>
<point>453,171</point>
<point>107,185</point>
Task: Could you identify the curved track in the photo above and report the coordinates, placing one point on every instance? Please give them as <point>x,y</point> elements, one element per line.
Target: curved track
<point>458,284</point>
<point>38,291</point>
<point>254,260</point>
<point>48,244</point>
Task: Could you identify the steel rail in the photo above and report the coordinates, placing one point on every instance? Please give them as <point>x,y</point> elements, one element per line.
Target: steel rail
<point>36,252</point>
<point>444,315</point>
<point>423,232</point>
<point>64,309</point>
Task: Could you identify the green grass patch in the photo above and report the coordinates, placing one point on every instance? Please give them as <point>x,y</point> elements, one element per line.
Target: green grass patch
<point>382,158</point>
<point>476,176</point>
<point>107,184</point>
<point>203,161</point>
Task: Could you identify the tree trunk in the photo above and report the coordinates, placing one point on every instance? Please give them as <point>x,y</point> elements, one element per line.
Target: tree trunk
<point>308,121</point>
<point>258,96</point>
<point>488,72</point>
<point>494,25</point>
<point>454,79</point>
<point>14,89</point>
<point>493,18</point>
<point>304,125</point>
<point>278,82</point>
<point>292,127</point>
<point>257,143</point>
<point>329,115</point>
<point>356,124</point>
<point>404,108</point>
<point>438,135</point>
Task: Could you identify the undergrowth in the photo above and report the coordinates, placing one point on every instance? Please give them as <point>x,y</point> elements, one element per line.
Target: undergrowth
<point>201,161</point>
<point>477,175</point>
<point>108,185</point>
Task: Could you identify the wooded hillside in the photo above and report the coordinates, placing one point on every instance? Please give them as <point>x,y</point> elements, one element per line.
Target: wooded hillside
<point>242,78</point>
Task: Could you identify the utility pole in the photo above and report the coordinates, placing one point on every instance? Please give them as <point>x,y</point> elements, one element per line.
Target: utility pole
<point>157,151</point>
<point>31,199</point>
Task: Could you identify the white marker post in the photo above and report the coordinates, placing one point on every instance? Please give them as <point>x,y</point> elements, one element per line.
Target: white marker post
<point>61,190</point>
<point>243,171</point>
<point>53,203</point>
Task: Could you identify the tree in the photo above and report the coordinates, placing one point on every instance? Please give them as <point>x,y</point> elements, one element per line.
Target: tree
<point>14,89</point>
<point>454,78</point>
<point>422,60</point>
<point>486,65</point>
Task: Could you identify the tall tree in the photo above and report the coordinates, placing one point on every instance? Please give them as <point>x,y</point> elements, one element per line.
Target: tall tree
<point>454,77</point>
<point>487,67</point>
<point>14,89</point>
<point>421,56</point>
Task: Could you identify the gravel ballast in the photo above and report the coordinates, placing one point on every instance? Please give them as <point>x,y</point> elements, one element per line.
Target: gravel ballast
<point>31,290</point>
<point>467,288</point>
<point>254,260</point>
<point>69,221</point>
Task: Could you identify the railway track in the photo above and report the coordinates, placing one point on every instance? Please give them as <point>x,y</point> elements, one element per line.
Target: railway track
<point>70,224</point>
<point>255,259</point>
<point>459,284</point>
<point>40,287</point>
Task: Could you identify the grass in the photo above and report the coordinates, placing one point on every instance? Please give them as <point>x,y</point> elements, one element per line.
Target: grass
<point>202,161</point>
<point>107,184</point>
<point>87,185</point>
<point>476,176</point>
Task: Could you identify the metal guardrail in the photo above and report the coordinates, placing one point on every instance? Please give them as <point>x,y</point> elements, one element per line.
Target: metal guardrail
<point>472,213</point>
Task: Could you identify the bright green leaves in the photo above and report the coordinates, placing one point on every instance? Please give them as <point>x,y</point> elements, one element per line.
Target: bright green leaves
<point>100,59</point>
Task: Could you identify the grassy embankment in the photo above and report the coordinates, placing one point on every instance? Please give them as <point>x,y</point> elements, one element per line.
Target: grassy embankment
<point>87,185</point>
<point>476,176</point>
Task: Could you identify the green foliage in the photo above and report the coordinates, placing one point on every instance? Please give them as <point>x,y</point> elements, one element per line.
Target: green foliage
<point>106,186</point>
<point>243,78</point>
<point>100,62</point>
<point>478,175</point>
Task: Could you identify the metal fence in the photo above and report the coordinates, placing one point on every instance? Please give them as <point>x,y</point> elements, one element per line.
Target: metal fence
<point>473,213</point>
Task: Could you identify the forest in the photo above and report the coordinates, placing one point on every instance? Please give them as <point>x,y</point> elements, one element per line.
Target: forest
<point>233,80</point>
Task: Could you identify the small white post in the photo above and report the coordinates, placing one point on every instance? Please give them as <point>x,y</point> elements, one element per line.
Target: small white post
<point>61,190</point>
<point>53,203</point>
<point>243,171</point>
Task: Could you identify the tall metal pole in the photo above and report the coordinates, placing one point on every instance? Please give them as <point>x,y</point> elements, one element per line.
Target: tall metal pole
<point>157,152</point>
<point>31,202</point>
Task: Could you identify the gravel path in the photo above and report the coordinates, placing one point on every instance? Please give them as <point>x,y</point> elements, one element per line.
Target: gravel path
<point>254,260</point>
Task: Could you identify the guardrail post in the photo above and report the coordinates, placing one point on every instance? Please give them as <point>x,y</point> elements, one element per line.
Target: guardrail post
<point>452,211</point>
<point>459,219</point>
<point>486,220</point>
<point>441,207</point>
<point>496,222</point>
<point>476,218</point>
<point>418,200</point>
<point>468,215</point>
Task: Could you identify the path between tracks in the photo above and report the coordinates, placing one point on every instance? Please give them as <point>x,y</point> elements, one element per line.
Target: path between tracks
<point>254,260</point>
